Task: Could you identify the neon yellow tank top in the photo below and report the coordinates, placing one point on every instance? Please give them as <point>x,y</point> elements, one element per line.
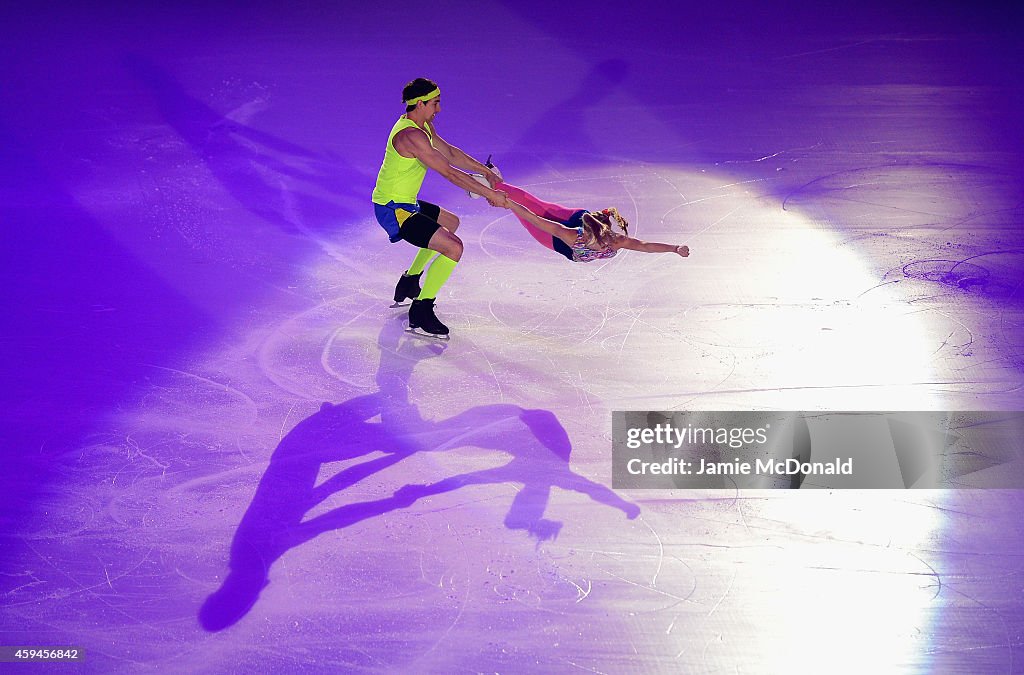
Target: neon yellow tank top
<point>399,178</point>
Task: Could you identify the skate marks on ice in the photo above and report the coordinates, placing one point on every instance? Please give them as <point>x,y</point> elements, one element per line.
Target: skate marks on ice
<point>952,224</point>
<point>385,428</point>
<point>217,164</point>
<point>943,240</point>
<point>769,302</point>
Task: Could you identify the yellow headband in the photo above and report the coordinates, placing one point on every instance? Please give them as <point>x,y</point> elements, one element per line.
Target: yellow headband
<point>425,97</point>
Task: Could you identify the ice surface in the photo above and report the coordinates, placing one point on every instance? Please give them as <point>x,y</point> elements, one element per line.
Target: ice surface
<point>224,454</point>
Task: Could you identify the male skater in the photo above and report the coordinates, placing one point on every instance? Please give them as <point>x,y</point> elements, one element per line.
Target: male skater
<point>413,147</point>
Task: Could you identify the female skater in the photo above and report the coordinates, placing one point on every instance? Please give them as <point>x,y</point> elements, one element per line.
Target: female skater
<point>578,234</point>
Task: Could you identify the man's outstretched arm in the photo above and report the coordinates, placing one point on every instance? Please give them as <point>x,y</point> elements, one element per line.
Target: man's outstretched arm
<point>458,158</point>
<point>414,142</point>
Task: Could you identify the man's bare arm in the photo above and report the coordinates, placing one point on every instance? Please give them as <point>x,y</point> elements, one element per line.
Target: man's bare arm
<point>457,157</point>
<point>414,143</point>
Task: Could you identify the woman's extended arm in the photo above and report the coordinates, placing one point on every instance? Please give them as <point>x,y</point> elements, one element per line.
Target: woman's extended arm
<point>566,234</point>
<point>652,246</point>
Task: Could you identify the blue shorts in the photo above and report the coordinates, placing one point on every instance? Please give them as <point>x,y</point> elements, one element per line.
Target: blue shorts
<point>416,223</point>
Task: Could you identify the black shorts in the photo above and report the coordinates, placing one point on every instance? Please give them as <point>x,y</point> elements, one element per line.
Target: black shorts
<point>561,247</point>
<point>420,227</point>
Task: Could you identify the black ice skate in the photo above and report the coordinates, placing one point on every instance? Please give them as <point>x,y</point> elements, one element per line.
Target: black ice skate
<point>422,320</point>
<point>408,288</point>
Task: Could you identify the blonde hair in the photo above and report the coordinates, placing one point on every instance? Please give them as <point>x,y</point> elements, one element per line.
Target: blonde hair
<point>600,224</point>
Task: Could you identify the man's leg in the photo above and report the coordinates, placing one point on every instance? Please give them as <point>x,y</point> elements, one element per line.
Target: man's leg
<point>446,219</point>
<point>450,249</point>
<point>442,217</point>
<point>426,233</point>
<point>443,241</point>
<point>423,256</point>
<point>408,286</point>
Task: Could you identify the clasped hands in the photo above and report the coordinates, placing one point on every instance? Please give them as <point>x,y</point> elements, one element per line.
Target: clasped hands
<point>498,199</point>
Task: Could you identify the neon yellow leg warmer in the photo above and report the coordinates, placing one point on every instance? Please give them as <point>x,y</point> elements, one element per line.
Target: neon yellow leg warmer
<point>438,273</point>
<point>420,261</point>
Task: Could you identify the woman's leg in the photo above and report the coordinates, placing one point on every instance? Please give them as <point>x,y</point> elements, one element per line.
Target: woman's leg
<point>541,236</point>
<point>544,209</point>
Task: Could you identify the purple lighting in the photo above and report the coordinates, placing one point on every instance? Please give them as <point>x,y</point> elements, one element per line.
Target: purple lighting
<point>222,452</point>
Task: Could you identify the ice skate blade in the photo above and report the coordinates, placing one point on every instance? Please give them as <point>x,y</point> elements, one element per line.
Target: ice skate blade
<point>479,179</point>
<point>404,303</point>
<point>422,333</point>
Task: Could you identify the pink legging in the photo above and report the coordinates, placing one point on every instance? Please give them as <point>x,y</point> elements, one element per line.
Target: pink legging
<point>548,210</point>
